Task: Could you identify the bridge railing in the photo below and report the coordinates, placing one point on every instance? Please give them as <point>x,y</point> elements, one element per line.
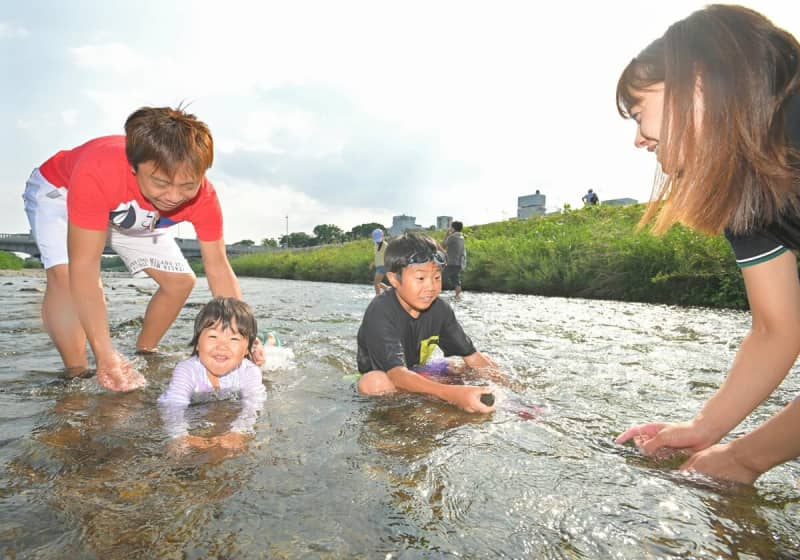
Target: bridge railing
<point>24,243</point>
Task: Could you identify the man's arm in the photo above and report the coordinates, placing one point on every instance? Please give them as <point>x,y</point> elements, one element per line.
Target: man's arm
<point>221,279</point>
<point>85,249</point>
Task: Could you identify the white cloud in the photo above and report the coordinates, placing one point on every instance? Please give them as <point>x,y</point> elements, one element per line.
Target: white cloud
<point>69,117</point>
<point>108,57</point>
<point>253,211</point>
<point>12,31</point>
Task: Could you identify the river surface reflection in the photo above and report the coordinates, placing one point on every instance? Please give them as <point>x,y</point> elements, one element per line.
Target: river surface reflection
<point>85,473</point>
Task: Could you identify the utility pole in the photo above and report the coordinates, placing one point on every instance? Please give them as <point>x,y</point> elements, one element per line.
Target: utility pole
<point>287,231</point>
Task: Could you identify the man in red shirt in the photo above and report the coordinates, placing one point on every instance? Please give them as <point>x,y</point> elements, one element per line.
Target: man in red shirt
<point>130,189</point>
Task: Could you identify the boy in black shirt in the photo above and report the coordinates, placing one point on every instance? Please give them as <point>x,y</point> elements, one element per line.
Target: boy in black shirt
<point>404,325</point>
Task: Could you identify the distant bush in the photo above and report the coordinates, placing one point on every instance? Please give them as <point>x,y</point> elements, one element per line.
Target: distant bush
<point>32,262</point>
<point>113,264</point>
<point>10,261</point>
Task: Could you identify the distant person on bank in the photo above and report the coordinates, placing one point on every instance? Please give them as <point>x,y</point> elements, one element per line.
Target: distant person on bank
<point>590,198</point>
<point>456,258</point>
<point>380,269</point>
<point>128,189</point>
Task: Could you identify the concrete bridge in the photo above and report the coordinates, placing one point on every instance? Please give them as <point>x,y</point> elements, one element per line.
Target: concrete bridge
<point>24,243</point>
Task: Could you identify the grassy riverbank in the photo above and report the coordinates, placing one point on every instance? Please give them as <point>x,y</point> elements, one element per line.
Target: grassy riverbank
<point>10,261</point>
<point>591,252</point>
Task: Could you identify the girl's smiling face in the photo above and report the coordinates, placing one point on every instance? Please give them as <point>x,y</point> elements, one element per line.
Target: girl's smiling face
<point>221,350</point>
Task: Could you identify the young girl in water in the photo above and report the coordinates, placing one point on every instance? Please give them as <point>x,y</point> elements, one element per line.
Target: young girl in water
<point>224,335</point>
<point>717,99</point>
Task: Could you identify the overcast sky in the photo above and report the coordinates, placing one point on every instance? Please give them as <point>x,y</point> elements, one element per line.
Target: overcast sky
<point>344,112</point>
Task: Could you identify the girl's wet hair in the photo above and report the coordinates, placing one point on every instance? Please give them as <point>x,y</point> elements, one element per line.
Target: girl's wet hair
<point>226,311</point>
<point>734,168</point>
<point>411,248</point>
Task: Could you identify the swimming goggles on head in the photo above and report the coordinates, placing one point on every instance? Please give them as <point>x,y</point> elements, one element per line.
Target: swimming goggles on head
<point>425,257</point>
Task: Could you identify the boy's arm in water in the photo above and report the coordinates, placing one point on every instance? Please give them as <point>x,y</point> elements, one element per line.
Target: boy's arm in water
<point>489,369</point>
<point>767,352</point>
<point>748,457</point>
<point>221,279</point>
<point>466,397</point>
<point>85,249</point>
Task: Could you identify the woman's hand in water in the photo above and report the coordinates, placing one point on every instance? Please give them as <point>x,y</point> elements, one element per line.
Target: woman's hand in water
<point>118,374</point>
<point>658,438</point>
<point>721,461</point>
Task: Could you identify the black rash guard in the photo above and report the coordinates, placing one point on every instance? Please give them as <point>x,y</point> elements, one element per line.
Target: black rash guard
<point>389,337</point>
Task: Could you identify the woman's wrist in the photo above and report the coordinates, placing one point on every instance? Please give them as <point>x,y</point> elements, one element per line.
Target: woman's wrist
<point>750,460</point>
<point>707,430</point>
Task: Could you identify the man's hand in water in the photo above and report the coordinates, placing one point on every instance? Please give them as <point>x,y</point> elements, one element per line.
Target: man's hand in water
<point>117,373</point>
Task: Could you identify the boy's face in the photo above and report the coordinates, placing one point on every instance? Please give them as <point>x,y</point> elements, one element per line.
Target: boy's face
<point>420,286</point>
<point>221,350</point>
<point>166,193</point>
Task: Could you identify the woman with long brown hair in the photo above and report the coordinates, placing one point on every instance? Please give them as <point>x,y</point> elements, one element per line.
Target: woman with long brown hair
<point>717,99</point>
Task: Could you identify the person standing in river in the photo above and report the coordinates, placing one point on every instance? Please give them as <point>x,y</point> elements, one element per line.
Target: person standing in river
<point>130,189</point>
<point>380,269</point>
<point>456,258</point>
<point>717,99</point>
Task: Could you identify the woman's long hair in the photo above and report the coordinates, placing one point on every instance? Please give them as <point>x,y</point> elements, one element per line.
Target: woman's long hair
<point>735,168</point>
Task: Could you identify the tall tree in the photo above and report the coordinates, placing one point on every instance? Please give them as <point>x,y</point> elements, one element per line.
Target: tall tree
<point>365,230</point>
<point>296,239</point>
<point>328,233</point>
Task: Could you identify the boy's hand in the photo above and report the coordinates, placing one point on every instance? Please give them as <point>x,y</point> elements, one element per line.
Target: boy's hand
<point>468,398</point>
<point>117,373</point>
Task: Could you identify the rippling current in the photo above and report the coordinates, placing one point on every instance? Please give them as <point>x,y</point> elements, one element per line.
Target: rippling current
<point>85,473</point>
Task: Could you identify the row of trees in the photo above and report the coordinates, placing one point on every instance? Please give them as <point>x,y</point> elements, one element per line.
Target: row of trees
<point>593,252</point>
<point>324,234</point>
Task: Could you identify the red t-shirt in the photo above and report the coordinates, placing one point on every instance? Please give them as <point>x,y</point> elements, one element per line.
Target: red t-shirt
<point>103,191</point>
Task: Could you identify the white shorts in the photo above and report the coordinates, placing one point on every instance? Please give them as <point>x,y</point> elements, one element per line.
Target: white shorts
<point>46,206</point>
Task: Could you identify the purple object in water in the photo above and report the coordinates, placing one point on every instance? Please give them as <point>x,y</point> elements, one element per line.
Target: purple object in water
<point>436,366</point>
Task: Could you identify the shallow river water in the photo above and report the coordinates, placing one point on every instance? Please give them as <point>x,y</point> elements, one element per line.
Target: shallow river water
<point>85,473</point>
